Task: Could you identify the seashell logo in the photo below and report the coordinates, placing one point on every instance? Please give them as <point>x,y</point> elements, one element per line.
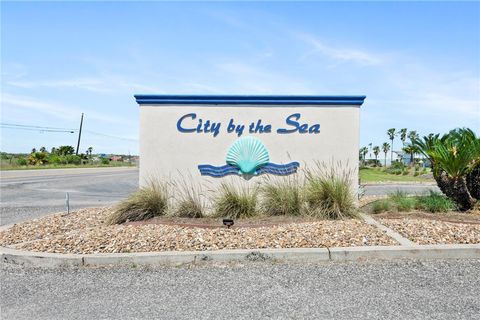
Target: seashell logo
<point>248,156</point>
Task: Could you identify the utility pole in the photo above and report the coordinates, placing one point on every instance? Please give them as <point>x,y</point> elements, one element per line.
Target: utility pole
<point>79,134</point>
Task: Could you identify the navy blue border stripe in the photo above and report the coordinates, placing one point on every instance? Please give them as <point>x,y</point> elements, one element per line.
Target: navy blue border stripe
<point>143,99</point>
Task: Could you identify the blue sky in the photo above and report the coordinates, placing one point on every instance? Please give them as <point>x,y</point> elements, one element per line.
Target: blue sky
<point>418,63</point>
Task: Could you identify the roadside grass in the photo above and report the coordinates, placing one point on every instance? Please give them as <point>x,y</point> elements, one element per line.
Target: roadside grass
<point>189,199</point>
<point>236,202</point>
<point>328,192</point>
<point>7,167</point>
<point>147,202</point>
<point>400,202</point>
<point>281,197</point>
<point>371,175</point>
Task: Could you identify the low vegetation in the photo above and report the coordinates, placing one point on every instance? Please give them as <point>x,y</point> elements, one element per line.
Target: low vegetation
<point>401,202</point>
<point>236,202</point>
<point>328,192</point>
<point>190,202</point>
<point>60,157</point>
<point>281,197</point>
<point>147,202</point>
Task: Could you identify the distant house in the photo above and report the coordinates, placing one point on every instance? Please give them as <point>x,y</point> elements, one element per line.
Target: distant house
<point>116,158</point>
<point>406,158</point>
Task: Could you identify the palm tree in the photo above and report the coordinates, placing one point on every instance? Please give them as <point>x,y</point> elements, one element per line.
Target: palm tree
<point>403,135</point>
<point>370,148</point>
<point>411,149</point>
<point>376,151</point>
<point>454,157</point>
<point>43,149</point>
<point>391,135</point>
<point>33,150</point>
<point>363,152</point>
<point>385,148</point>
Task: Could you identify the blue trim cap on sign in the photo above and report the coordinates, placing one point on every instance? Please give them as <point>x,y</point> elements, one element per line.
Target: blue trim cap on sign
<point>165,99</point>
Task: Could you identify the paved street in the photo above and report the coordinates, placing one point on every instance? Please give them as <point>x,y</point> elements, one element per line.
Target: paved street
<point>34,193</point>
<point>374,290</point>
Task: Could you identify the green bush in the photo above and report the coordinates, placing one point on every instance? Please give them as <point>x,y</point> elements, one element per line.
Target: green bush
<point>405,172</point>
<point>145,203</point>
<point>435,202</point>
<point>406,204</point>
<point>381,206</point>
<point>281,198</point>
<point>22,162</point>
<point>55,159</point>
<point>189,200</point>
<point>73,159</point>
<point>104,160</point>
<point>401,201</point>
<point>235,203</point>
<point>328,192</point>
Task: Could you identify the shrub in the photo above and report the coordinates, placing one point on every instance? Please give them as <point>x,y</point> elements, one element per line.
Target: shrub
<point>22,161</point>
<point>435,202</point>
<point>405,204</point>
<point>54,159</point>
<point>189,200</point>
<point>328,192</point>
<point>281,198</point>
<point>381,206</point>
<point>73,159</point>
<point>402,201</point>
<point>145,203</point>
<point>235,203</point>
<point>104,160</point>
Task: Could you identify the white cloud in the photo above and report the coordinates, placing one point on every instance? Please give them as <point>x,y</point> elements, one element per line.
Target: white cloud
<point>340,54</point>
<point>55,110</point>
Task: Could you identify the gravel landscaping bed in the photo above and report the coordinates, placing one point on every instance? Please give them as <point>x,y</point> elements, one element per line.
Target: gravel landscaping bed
<point>84,231</point>
<point>428,231</point>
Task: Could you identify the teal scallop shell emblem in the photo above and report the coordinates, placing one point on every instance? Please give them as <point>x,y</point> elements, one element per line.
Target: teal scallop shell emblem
<point>248,154</point>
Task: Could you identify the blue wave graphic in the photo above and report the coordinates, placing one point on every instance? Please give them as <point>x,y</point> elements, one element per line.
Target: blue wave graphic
<point>271,168</point>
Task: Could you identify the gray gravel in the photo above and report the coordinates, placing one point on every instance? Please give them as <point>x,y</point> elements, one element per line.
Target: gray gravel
<point>374,290</point>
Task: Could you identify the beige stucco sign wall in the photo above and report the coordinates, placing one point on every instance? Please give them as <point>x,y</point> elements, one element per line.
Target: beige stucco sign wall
<point>180,133</point>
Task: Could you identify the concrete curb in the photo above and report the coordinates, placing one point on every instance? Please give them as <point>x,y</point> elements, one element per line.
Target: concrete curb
<point>52,260</point>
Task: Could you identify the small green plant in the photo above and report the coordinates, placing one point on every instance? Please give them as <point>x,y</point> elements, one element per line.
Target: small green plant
<point>435,202</point>
<point>281,198</point>
<point>189,199</point>
<point>22,162</point>
<point>401,201</point>
<point>104,161</point>
<point>235,202</point>
<point>381,206</point>
<point>328,191</point>
<point>405,204</point>
<point>147,202</point>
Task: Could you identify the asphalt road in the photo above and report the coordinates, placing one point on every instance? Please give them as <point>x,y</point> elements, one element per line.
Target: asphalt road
<point>375,290</point>
<point>30,194</point>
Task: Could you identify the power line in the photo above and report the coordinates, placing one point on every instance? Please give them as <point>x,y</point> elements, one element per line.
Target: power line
<point>34,127</point>
<point>109,136</point>
<point>17,126</point>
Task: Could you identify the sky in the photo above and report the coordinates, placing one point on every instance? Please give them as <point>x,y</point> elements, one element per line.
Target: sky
<point>418,63</point>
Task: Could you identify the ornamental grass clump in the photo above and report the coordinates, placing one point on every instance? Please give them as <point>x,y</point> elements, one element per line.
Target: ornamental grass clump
<point>435,202</point>
<point>402,201</point>
<point>189,199</point>
<point>381,206</point>
<point>281,198</point>
<point>236,202</point>
<point>145,203</point>
<point>328,192</point>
